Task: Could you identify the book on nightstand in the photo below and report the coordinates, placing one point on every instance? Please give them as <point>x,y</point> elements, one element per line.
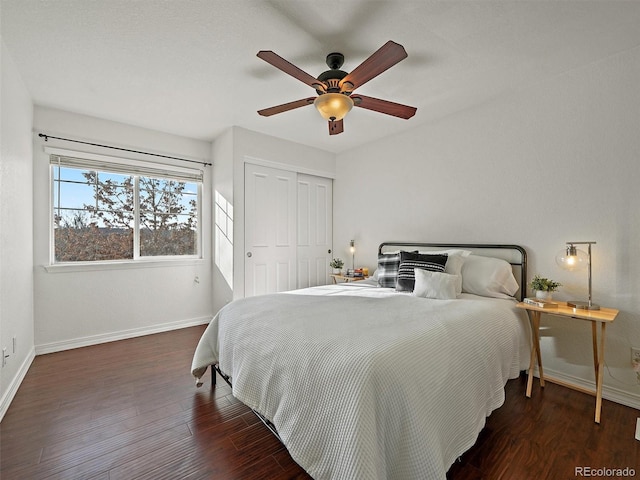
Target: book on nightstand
<point>357,273</point>
<point>540,303</point>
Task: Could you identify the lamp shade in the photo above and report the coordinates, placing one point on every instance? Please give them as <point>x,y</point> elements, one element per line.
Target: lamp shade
<point>333,106</point>
<point>571,258</point>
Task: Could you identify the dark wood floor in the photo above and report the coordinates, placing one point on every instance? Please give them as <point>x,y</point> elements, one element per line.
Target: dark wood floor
<point>130,410</point>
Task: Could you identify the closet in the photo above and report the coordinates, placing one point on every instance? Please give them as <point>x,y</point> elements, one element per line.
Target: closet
<point>288,229</point>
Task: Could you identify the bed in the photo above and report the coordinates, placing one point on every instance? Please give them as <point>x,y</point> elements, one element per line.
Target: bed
<point>365,380</point>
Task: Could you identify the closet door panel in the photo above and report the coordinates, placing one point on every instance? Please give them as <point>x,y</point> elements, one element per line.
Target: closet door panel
<point>315,229</point>
<point>270,230</point>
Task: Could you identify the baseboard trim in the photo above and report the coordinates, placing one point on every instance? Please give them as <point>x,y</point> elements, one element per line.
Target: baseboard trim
<point>7,398</point>
<point>120,335</point>
<point>608,392</point>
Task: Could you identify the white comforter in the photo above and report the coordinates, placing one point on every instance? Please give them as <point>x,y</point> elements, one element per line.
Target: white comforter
<point>365,383</point>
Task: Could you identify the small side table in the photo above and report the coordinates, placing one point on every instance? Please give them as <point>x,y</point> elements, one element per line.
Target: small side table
<point>346,278</point>
<point>602,317</point>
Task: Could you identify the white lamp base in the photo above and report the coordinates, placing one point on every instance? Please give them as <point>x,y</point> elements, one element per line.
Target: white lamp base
<point>583,305</point>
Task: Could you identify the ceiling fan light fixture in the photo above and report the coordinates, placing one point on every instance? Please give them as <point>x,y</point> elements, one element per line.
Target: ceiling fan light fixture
<point>333,106</point>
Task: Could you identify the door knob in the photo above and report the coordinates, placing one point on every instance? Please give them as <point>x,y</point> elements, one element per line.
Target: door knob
<point>249,254</point>
<point>329,251</point>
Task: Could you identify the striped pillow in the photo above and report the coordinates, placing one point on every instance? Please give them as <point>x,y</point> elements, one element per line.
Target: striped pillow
<point>410,261</point>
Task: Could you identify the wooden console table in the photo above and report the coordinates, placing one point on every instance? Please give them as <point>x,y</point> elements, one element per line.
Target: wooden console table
<point>602,317</point>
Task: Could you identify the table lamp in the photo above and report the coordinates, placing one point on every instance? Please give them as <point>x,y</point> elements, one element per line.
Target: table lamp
<point>352,249</point>
<point>571,259</point>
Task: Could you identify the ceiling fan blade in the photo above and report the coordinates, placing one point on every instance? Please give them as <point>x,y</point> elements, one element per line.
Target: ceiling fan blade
<point>290,69</point>
<point>384,106</point>
<point>285,107</point>
<point>336,127</point>
<point>382,59</point>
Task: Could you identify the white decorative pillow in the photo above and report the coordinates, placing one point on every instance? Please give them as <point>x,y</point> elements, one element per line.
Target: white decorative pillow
<point>488,276</point>
<point>441,286</point>
<point>454,263</point>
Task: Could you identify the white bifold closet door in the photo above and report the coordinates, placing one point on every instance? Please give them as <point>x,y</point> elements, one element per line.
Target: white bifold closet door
<point>288,230</point>
<point>315,230</point>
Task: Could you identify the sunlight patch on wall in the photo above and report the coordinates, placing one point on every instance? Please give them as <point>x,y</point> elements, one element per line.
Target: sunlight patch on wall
<point>223,254</point>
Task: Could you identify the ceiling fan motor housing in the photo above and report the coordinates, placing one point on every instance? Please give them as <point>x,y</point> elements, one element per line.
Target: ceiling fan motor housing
<point>331,78</point>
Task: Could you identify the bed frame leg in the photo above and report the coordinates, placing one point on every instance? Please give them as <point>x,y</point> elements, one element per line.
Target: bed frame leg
<point>268,424</point>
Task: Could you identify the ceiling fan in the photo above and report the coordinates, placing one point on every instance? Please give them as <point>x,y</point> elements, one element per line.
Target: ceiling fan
<point>335,87</point>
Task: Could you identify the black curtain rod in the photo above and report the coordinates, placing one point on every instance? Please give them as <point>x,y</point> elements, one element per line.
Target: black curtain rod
<point>47,137</point>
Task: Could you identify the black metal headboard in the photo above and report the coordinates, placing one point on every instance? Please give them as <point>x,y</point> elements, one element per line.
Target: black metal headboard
<point>514,254</point>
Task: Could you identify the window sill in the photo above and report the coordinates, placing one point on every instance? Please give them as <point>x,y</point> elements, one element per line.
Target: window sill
<point>121,265</point>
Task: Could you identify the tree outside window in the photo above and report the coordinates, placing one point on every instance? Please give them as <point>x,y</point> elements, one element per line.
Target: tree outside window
<point>101,216</point>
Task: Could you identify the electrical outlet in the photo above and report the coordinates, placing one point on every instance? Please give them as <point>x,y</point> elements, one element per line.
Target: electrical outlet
<point>635,356</point>
<point>635,362</point>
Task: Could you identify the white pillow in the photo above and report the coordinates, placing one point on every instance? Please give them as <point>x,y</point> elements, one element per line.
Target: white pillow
<point>488,276</point>
<point>441,286</point>
<point>454,263</point>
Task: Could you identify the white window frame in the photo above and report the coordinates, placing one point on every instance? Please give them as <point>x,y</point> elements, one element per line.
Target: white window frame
<point>136,168</point>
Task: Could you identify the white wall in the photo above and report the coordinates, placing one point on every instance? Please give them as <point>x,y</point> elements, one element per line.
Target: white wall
<point>75,308</point>
<point>16,229</point>
<point>556,162</point>
<point>222,155</point>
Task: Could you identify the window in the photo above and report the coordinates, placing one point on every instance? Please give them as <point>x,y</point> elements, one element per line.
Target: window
<point>106,210</point>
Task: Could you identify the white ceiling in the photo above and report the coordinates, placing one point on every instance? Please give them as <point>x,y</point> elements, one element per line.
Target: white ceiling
<point>189,67</point>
